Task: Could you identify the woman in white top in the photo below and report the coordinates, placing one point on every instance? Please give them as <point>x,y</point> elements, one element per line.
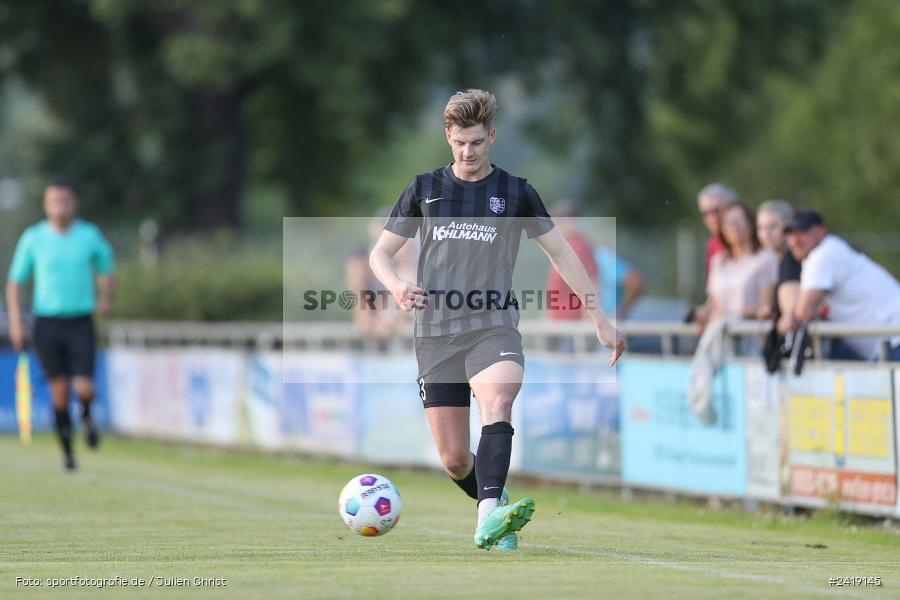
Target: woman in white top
<point>741,278</point>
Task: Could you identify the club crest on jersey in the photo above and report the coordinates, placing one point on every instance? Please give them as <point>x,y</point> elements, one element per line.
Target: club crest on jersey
<point>498,205</point>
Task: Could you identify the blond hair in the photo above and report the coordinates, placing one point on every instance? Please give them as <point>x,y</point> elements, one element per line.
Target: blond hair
<point>470,108</point>
<point>781,208</point>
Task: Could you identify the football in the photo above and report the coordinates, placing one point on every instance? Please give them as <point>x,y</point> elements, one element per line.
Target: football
<point>370,505</point>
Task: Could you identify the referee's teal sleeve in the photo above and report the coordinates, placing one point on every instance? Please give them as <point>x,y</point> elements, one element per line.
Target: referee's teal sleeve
<point>104,262</point>
<point>23,260</point>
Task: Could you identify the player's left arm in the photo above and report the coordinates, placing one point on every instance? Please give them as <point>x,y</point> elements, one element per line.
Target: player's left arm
<point>569,266</point>
<point>105,269</point>
<point>807,306</point>
<point>105,286</point>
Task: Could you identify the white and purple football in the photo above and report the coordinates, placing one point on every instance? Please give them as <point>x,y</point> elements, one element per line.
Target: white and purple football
<point>370,505</point>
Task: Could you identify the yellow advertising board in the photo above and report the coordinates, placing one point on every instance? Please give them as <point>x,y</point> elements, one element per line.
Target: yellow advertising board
<point>840,445</point>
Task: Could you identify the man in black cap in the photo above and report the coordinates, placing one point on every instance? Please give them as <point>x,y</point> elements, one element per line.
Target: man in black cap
<point>856,289</point>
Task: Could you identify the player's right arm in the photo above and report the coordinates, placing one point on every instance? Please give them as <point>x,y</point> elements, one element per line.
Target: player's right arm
<point>19,273</point>
<point>401,225</point>
<point>381,259</point>
<point>16,328</point>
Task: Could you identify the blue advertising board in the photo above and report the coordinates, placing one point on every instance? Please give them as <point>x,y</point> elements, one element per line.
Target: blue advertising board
<point>393,429</point>
<point>568,422</point>
<point>41,413</point>
<point>665,445</point>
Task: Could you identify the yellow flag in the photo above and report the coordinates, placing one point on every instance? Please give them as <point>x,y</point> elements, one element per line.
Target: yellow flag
<point>23,398</point>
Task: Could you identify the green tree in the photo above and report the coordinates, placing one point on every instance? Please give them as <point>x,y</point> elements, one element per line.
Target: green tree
<point>712,82</point>
<point>665,95</point>
<point>170,106</point>
<point>831,144</point>
<point>174,108</point>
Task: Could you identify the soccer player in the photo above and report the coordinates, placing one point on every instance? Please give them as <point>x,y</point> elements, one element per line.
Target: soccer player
<point>64,255</point>
<point>470,216</point>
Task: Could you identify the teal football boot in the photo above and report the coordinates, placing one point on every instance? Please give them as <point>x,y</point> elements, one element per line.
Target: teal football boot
<point>501,521</point>
<point>510,541</point>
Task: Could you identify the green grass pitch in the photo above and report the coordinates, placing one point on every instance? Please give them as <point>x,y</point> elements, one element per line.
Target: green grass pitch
<point>269,526</point>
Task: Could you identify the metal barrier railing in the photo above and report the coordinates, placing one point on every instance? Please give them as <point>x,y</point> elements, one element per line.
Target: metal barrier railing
<point>668,337</point>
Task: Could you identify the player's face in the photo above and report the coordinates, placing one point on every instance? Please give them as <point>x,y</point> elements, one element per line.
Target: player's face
<point>770,230</point>
<point>59,204</point>
<point>470,146</point>
<point>709,208</point>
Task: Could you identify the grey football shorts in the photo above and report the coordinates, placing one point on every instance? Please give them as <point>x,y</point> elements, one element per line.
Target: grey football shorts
<point>448,362</point>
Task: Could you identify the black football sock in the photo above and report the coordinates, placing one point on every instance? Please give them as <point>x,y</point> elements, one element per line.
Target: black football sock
<point>86,408</point>
<point>64,429</point>
<point>469,483</point>
<point>492,459</point>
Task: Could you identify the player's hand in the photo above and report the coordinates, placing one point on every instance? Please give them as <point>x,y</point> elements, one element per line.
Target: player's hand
<point>409,296</point>
<point>17,335</point>
<point>610,337</point>
<point>104,307</point>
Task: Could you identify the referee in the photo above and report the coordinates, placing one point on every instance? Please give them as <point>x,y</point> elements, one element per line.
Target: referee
<point>70,261</point>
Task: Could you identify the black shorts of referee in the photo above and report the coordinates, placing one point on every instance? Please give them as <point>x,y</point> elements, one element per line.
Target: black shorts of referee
<point>66,346</point>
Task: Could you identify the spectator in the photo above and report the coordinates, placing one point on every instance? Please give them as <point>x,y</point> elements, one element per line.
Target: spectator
<point>710,201</point>
<point>742,277</point>
<point>382,319</point>
<point>567,305</point>
<point>620,283</point>
<point>856,289</point>
<point>771,219</point>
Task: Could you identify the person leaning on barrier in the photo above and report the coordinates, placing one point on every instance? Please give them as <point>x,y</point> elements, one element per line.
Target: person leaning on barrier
<point>740,286</point>
<point>710,200</point>
<point>620,283</point>
<point>856,289</point>
<point>741,278</point>
<point>771,219</point>
<point>375,317</point>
